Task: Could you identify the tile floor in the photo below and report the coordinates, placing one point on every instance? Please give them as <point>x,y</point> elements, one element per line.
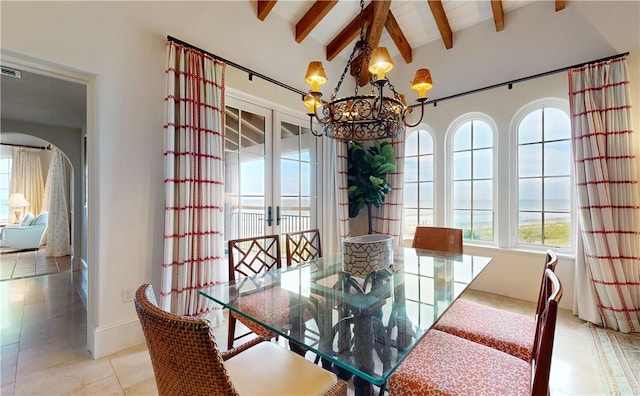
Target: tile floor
<point>26,263</point>
<point>43,339</point>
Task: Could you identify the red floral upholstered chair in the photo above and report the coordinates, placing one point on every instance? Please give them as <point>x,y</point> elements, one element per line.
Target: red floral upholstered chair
<point>247,257</point>
<point>443,364</point>
<point>186,360</point>
<point>506,331</point>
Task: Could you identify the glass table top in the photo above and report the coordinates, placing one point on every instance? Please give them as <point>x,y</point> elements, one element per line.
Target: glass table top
<point>362,324</point>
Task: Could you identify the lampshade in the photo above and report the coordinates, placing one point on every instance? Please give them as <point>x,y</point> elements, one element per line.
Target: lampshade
<point>315,75</point>
<point>422,82</point>
<point>380,63</point>
<point>17,200</point>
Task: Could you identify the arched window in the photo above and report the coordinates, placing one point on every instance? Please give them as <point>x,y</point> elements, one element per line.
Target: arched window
<point>544,177</point>
<point>472,173</point>
<point>418,181</point>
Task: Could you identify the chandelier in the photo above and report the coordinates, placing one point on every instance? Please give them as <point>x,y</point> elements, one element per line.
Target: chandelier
<point>363,117</point>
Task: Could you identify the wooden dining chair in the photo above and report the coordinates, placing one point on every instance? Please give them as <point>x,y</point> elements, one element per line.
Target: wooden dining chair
<point>186,360</point>
<point>302,246</point>
<point>248,257</point>
<point>441,239</point>
<point>504,330</point>
<point>442,363</point>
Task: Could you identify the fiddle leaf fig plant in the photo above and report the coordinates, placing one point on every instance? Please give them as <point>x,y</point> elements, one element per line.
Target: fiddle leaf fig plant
<point>367,176</point>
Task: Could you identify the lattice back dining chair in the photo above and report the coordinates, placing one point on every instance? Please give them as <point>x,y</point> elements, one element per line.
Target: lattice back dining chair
<point>441,239</point>
<point>186,359</point>
<point>248,257</point>
<point>501,329</point>
<point>302,246</point>
<point>442,363</point>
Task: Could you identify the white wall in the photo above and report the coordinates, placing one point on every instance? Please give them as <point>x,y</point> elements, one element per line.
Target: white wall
<point>119,49</point>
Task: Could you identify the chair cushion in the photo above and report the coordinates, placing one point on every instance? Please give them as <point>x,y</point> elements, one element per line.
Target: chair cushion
<point>443,364</point>
<point>269,369</point>
<point>27,220</point>
<point>506,331</point>
<point>42,218</point>
<point>255,305</point>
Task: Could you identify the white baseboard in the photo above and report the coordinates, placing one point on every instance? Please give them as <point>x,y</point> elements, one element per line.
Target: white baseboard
<point>116,337</point>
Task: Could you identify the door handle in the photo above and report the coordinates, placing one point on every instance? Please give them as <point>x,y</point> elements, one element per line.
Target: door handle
<point>269,217</point>
<point>277,215</point>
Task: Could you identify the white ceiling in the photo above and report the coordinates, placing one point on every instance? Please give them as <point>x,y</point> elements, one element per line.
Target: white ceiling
<point>413,16</point>
<point>41,99</point>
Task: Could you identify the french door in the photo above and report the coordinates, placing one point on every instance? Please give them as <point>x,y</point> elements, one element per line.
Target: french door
<point>271,172</point>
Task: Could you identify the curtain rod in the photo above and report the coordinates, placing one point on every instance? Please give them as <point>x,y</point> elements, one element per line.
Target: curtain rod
<point>239,67</point>
<point>434,101</point>
<point>27,146</point>
<point>518,80</point>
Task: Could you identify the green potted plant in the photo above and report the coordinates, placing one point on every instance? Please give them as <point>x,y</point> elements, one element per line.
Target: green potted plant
<point>367,176</point>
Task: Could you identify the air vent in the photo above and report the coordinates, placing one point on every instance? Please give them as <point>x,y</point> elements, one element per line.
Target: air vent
<point>9,72</point>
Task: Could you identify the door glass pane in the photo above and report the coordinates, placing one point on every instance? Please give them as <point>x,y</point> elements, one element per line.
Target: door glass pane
<point>245,170</point>
<point>298,178</point>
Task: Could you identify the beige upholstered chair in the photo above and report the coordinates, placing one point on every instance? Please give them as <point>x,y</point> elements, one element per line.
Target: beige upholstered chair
<point>438,238</point>
<point>442,363</point>
<point>507,331</point>
<point>303,246</point>
<point>187,361</point>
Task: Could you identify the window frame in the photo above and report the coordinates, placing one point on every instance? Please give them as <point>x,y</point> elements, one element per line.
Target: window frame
<point>519,116</point>
<point>453,127</point>
<point>435,156</point>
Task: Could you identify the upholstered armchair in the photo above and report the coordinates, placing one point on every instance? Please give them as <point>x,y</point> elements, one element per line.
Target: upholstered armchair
<point>29,234</point>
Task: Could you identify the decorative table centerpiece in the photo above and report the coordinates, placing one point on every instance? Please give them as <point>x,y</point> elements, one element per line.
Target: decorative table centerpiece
<point>367,253</point>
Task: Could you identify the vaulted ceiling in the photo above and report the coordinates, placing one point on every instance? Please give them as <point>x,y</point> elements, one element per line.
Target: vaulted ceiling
<point>399,25</point>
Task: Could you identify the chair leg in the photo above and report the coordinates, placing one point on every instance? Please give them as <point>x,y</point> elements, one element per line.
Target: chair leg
<point>231,331</point>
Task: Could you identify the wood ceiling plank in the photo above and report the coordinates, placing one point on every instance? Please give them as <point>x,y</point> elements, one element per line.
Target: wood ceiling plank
<point>265,7</point>
<point>374,31</point>
<point>398,38</point>
<point>348,34</point>
<point>498,14</point>
<point>560,4</point>
<point>312,17</point>
<point>443,23</point>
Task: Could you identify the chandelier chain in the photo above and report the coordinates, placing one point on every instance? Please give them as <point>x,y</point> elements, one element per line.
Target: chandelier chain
<point>359,47</point>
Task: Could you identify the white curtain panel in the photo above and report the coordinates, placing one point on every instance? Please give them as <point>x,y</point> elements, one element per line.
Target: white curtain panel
<point>194,176</point>
<point>55,202</point>
<point>342,173</point>
<point>27,177</point>
<point>607,189</point>
<point>388,218</point>
<point>328,221</point>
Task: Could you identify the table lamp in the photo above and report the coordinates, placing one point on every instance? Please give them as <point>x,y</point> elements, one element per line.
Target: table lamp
<point>17,201</point>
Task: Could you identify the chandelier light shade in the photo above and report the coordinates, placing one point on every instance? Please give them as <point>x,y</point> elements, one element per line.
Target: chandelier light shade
<point>363,117</point>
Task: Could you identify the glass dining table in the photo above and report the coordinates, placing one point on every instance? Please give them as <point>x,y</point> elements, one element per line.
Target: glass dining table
<point>360,326</point>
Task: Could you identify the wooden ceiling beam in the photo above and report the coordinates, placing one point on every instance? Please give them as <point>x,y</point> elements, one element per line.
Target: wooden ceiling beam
<point>374,32</point>
<point>498,14</point>
<point>265,7</point>
<point>311,18</point>
<point>560,4</point>
<point>348,34</point>
<point>398,38</point>
<point>443,23</point>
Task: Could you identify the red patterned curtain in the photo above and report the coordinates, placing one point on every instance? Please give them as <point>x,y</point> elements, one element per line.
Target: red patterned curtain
<point>388,218</point>
<point>607,189</point>
<point>194,175</point>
